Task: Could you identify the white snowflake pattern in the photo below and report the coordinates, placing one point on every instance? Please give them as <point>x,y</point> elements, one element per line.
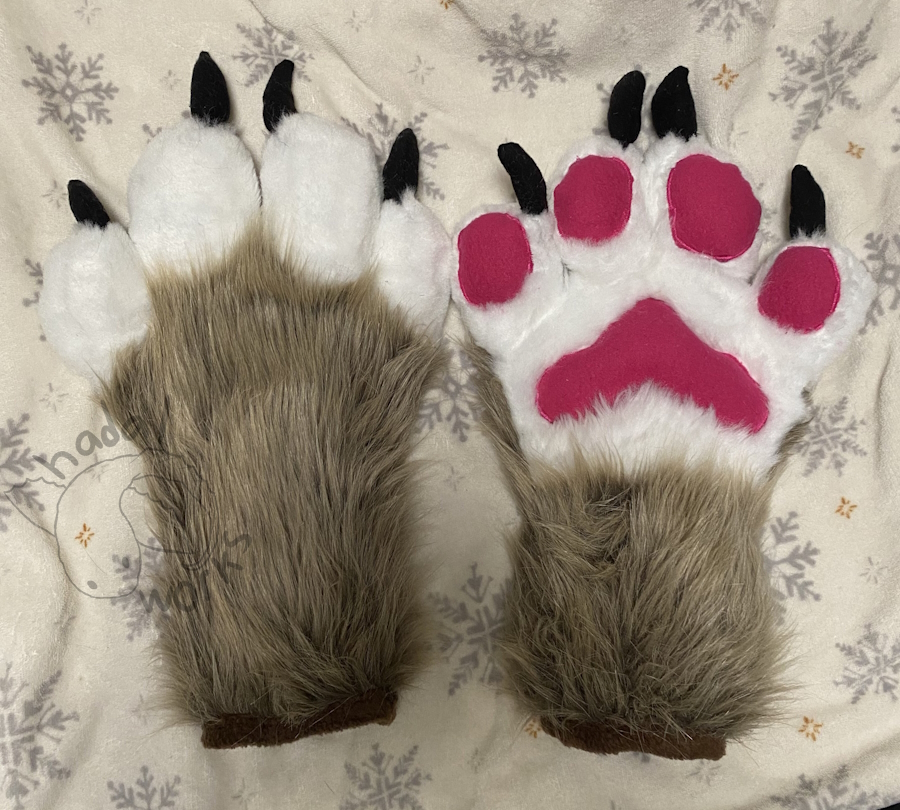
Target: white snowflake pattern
<point>874,571</point>
<point>523,55</point>
<point>873,663</point>
<point>821,78</point>
<point>381,129</point>
<point>831,437</point>
<point>727,16</point>
<point>468,635</point>
<point>420,70</point>
<point>15,462</point>
<point>883,261</point>
<point>705,771</point>
<point>266,46</point>
<point>71,92</point>
<point>144,794</point>
<point>140,603</point>
<point>57,195</point>
<point>31,729</point>
<point>171,80</point>
<point>53,398</point>
<point>87,11</point>
<point>787,561</point>
<point>385,782</point>
<point>833,792</point>
<point>35,271</point>
<point>454,400</point>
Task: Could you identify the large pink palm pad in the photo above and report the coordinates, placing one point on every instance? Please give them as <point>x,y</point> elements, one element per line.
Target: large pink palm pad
<point>712,211</point>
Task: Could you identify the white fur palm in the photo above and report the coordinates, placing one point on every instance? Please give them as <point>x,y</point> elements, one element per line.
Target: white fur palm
<point>567,291</point>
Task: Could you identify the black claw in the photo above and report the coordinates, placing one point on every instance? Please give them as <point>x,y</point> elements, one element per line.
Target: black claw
<point>209,93</point>
<point>672,108</point>
<point>527,180</point>
<point>85,205</point>
<point>278,100</point>
<point>807,204</point>
<point>626,103</point>
<point>401,170</point>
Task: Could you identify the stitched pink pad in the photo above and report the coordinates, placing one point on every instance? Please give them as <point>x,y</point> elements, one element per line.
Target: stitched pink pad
<point>802,289</point>
<point>593,200</point>
<point>650,343</point>
<point>712,209</point>
<point>494,259</point>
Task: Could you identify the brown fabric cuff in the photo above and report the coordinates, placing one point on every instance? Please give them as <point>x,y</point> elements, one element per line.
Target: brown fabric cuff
<point>609,738</point>
<point>239,730</point>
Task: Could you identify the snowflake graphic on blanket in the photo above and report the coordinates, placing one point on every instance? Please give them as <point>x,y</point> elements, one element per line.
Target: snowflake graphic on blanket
<point>523,55</point>
<point>265,47</point>
<point>71,91</point>
<point>883,261</point>
<point>454,400</point>
<point>873,662</point>
<point>384,782</point>
<point>833,792</point>
<point>787,561</point>
<point>31,728</point>
<point>15,462</point>
<point>727,16</point>
<point>381,130</point>
<point>144,794</point>
<point>820,79</point>
<point>469,629</point>
<point>831,437</point>
<point>141,597</point>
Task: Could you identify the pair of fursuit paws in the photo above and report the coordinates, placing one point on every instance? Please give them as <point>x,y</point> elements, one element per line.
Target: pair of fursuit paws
<point>266,340</point>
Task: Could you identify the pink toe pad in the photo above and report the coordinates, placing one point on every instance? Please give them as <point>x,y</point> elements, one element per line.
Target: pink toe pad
<point>802,289</point>
<point>593,200</point>
<point>650,343</point>
<point>712,209</point>
<point>494,259</point>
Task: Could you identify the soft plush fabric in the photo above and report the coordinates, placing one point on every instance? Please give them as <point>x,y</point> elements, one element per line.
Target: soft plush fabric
<point>830,542</point>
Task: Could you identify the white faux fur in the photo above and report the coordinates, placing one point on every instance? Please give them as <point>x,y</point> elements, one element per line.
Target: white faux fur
<point>321,193</point>
<point>191,194</point>
<point>94,299</point>
<point>576,291</point>
<point>413,257</point>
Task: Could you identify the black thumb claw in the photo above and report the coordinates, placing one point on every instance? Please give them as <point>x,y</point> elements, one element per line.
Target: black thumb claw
<point>807,204</point>
<point>278,100</point>
<point>85,205</point>
<point>209,93</point>
<point>401,170</point>
<point>623,120</point>
<point>672,108</point>
<point>527,180</point>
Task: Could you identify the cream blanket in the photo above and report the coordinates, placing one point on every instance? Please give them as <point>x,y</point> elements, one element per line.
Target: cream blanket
<point>86,83</point>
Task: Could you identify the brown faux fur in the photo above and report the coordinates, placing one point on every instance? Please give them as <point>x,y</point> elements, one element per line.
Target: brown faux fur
<point>276,413</point>
<point>639,615</point>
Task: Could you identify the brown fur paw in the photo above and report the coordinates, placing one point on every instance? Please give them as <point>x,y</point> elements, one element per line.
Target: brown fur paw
<point>609,738</point>
<point>239,730</point>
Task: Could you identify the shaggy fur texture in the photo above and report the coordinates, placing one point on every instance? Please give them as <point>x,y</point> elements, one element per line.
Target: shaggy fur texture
<point>276,414</point>
<point>639,615</point>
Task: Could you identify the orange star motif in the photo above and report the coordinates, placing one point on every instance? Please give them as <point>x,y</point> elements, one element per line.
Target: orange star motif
<point>810,729</point>
<point>845,508</point>
<point>84,535</point>
<point>533,726</point>
<point>726,77</point>
<point>855,150</point>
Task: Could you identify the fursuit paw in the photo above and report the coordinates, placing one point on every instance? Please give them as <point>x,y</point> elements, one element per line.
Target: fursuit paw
<point>266,343</point>
<point>641,382</point>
